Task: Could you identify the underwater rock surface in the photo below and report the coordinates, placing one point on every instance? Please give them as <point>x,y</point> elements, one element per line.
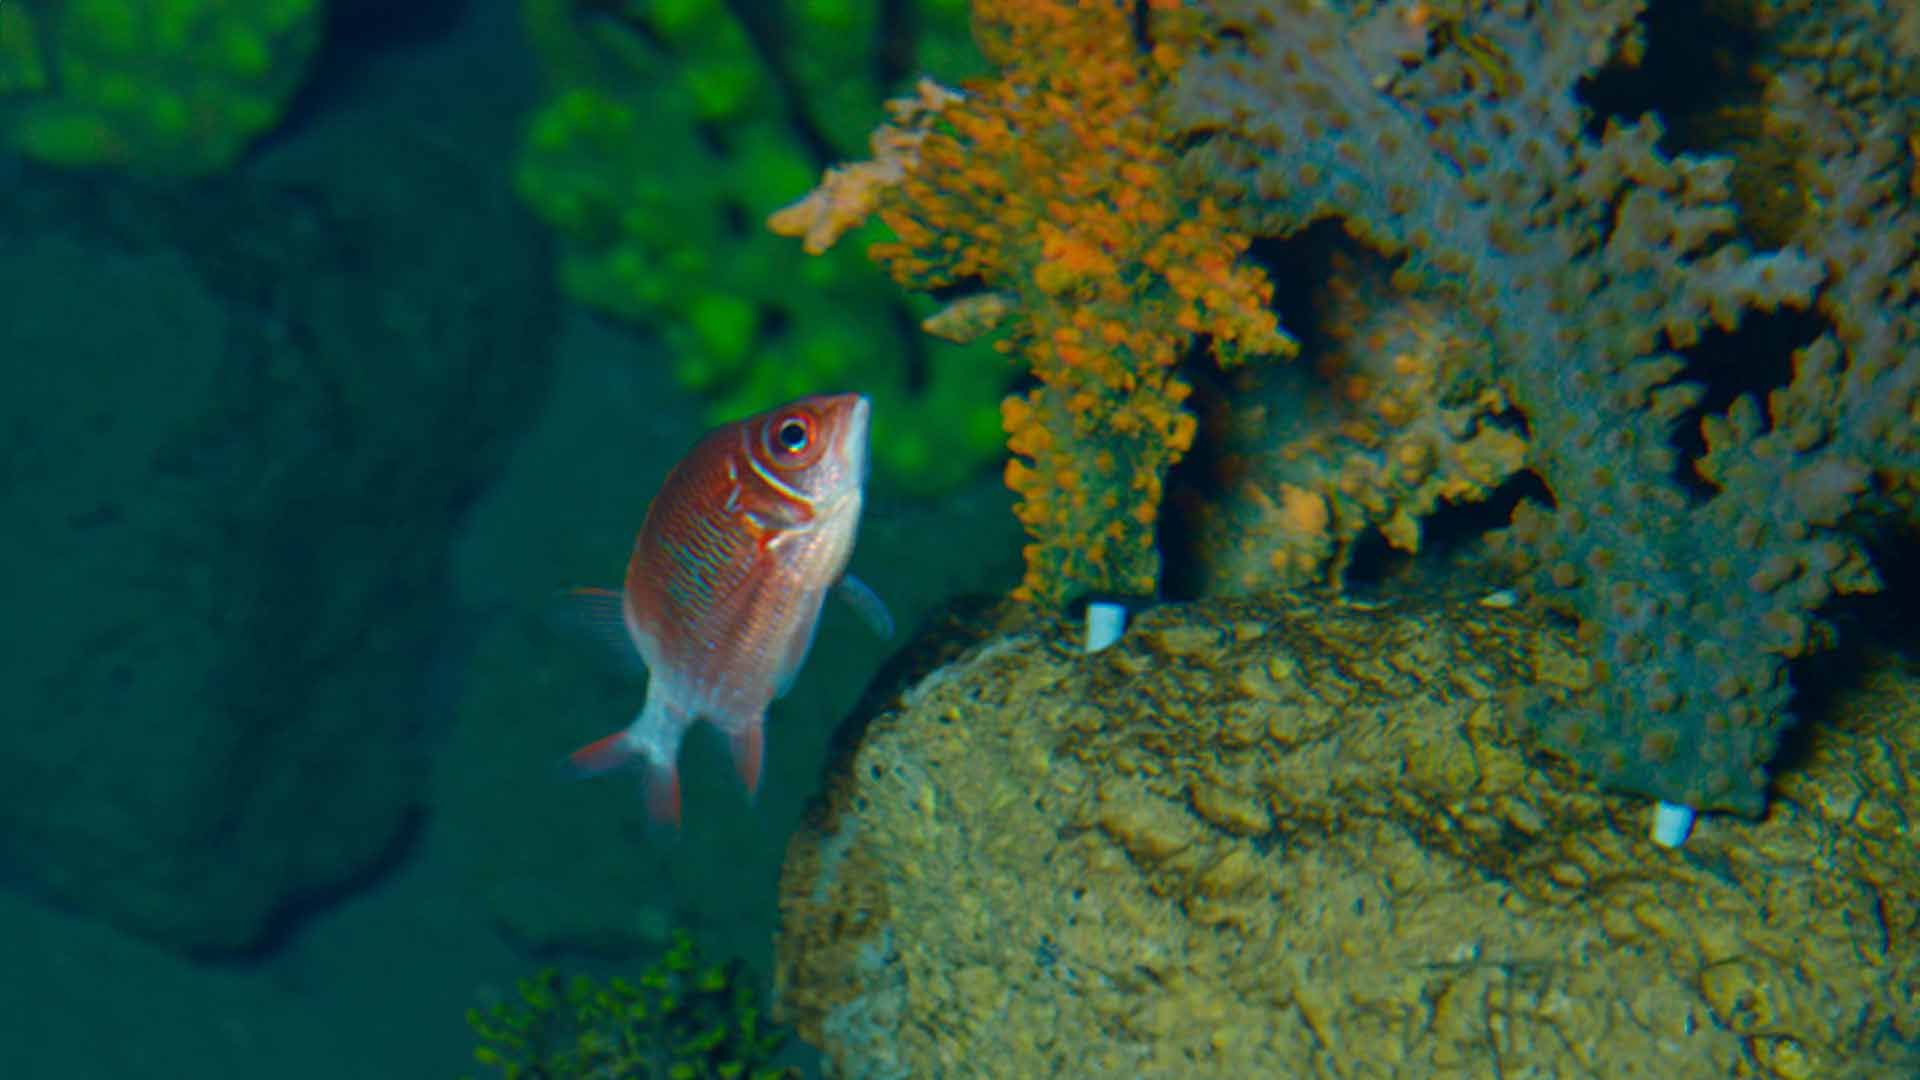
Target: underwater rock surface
<point>242,424</point>
<point>1301,839</point>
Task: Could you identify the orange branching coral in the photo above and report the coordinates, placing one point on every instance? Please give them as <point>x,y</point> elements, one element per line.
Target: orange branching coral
<point>848,194</point>
<point>1050,189</point>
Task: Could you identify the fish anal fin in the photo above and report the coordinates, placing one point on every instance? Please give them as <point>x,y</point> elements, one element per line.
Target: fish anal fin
<point>663,794</point>
<point>749,743</point>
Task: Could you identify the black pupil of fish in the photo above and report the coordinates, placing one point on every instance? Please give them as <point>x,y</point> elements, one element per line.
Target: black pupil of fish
<point>793,436</point>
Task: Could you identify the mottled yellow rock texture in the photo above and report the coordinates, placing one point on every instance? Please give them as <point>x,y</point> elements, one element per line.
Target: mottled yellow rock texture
<point>1300,840</point>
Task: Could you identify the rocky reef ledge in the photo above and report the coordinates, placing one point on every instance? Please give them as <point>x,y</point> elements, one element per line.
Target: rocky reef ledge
<point>1301,838</point>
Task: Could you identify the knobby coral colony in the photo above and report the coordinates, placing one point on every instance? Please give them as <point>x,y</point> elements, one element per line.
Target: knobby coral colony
<point>1584,260</point>
<point>1447,136</point>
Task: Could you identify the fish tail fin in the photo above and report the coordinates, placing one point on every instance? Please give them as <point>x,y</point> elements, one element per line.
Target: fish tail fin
<point>749,744</point>
<point>651,740</point>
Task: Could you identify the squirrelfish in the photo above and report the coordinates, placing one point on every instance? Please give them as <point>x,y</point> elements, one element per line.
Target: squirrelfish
<point>728,574</point>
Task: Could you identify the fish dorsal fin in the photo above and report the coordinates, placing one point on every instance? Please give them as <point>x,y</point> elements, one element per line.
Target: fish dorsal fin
<point>867,604</point>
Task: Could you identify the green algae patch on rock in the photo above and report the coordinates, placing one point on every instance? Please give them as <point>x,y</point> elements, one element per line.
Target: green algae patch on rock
<point>1302,838</point>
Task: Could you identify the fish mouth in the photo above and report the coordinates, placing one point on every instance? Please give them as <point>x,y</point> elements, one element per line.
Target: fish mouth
<point>853,444</point>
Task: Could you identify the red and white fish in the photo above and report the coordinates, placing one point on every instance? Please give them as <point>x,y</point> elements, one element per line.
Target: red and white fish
<point>726,581</point>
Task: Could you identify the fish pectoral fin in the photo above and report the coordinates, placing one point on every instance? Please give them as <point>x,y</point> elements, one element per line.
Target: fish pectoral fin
<point>867,604</point>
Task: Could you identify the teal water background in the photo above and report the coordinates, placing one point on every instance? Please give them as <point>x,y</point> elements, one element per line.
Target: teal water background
<point>388,533</point>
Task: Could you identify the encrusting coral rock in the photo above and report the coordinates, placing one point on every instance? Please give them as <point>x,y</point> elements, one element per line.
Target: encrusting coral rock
<point>1304,840</point>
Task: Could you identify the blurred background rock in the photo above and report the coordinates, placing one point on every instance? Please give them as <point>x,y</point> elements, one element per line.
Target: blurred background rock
<point>301,444</point>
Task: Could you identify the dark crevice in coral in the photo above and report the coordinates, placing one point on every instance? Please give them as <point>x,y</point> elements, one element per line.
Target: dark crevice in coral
<point>1754,358</point>
<point>1142,26</point>
<point>957,289</point>
<point>1373,561</point>
<point>1451,537</point>
<point>1698,58</point>
<point>1296,265</point>
<point>1190,486</point>
<point>1705,74</point>
<point>1867,630</point>
<point>1886,616</point>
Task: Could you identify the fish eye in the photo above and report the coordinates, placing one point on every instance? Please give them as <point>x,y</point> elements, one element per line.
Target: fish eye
<point>793,434</point>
